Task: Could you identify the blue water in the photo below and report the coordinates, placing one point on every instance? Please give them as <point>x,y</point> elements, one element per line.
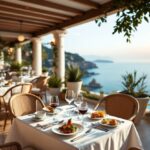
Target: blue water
<point>110,75</point>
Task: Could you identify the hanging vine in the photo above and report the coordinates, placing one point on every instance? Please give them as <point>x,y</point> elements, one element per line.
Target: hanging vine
<point>130,15</point>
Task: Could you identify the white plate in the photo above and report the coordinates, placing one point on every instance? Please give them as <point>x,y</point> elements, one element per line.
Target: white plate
<point>56,130</point>
<point>108,125</point>
<point>56,111</point>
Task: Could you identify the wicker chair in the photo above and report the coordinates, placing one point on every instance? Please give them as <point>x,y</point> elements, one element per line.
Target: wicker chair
<point>120,105</point>
<point>41,84</point>
<point>23,104</point>
<point>20,88</point>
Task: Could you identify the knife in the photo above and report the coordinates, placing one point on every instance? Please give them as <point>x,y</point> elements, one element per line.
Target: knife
<point>80,136</point>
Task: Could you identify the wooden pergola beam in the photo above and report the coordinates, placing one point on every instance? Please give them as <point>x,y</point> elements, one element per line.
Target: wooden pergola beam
<point>33,9</point>
<point>87,3</point>
<point>54,5</point>
<point>24,23</point>
<point>28,14</point>
<point>89,15</point>
<point>24,19</point>
<point>6,17</point>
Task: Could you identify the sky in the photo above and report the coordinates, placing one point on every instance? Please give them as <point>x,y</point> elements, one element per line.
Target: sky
<point>89,40</point>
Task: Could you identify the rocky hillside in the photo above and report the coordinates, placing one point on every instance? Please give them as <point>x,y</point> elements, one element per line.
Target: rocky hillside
<point>69,58</point>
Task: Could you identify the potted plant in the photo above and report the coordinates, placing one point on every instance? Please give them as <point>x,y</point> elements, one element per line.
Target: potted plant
<point>73,78</point>
<point>136,87</point>
<point>54,84</point>
<point>45,71</point>
<point>15,66</point>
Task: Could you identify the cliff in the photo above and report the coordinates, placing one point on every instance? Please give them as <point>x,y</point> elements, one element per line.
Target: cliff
<point>69,58</point>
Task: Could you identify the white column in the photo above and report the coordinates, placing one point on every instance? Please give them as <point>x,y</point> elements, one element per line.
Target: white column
<point>37,56</point>
<point>19,55</point>
<point>60,63</point>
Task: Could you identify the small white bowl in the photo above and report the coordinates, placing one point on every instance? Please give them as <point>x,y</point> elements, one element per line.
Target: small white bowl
<point>40,114</point>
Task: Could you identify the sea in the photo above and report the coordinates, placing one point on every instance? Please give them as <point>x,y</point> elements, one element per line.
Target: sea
<point>109,75</point>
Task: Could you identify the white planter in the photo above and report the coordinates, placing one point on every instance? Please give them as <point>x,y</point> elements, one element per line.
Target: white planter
<point>45,74</point>
<point>54,91</point>
<point>75,86</point>
<point>142,107</point>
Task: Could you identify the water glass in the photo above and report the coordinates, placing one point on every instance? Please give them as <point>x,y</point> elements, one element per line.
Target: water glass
<point>69,96</point>
<point>78,99</point>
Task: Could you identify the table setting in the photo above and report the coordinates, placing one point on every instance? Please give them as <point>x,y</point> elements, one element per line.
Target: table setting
<point>74,127</point>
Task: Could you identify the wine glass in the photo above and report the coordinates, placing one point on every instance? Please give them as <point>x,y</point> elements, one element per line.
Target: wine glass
<point>77,100</point>
<point>69,96</point>
<point>54,101</point>
<point>83,108</point>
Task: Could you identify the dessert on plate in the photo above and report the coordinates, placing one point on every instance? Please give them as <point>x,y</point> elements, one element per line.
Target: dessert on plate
<point>97,114</point>
<point>108,121</point>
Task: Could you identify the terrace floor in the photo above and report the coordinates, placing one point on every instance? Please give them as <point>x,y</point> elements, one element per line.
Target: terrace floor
<point>143,129</point>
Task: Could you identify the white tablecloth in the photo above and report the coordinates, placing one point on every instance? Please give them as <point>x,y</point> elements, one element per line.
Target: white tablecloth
<point>24,131</point>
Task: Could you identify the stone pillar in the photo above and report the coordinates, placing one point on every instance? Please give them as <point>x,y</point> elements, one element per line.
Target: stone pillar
<point>37,56</point>
<point>19,55</point>
<point>60,61</point>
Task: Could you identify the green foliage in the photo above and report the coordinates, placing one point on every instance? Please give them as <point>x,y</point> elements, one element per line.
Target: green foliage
<point>130,15</point>
<point>134,86</point>
<point>54,81</point>
<point>91,95</point>
<point>44,69</point>
<point>15,66</point>
<point>73,73</point>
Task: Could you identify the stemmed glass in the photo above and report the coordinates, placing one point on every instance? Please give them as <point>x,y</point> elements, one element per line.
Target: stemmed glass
<point>69,96</point>
<point>54,102</point>
<point>83,108</point>
<point>77,100</point>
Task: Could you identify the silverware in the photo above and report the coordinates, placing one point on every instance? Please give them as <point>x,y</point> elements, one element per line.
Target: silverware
<point>98,126</point>
<point>80,136</point>
<point>48,125</point>
<point>101,128</point>
<point>57,122</point>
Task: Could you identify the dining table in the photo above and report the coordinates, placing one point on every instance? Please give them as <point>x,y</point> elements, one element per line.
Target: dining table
<point>44,134</point>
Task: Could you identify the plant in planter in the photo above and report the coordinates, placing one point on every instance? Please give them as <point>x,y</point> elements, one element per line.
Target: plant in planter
<point>54,84</point>
<point>73,78</point>
<point>45,71</point>
<point>136,87</point>
<point>133,86</point>
<point>15,66</point>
